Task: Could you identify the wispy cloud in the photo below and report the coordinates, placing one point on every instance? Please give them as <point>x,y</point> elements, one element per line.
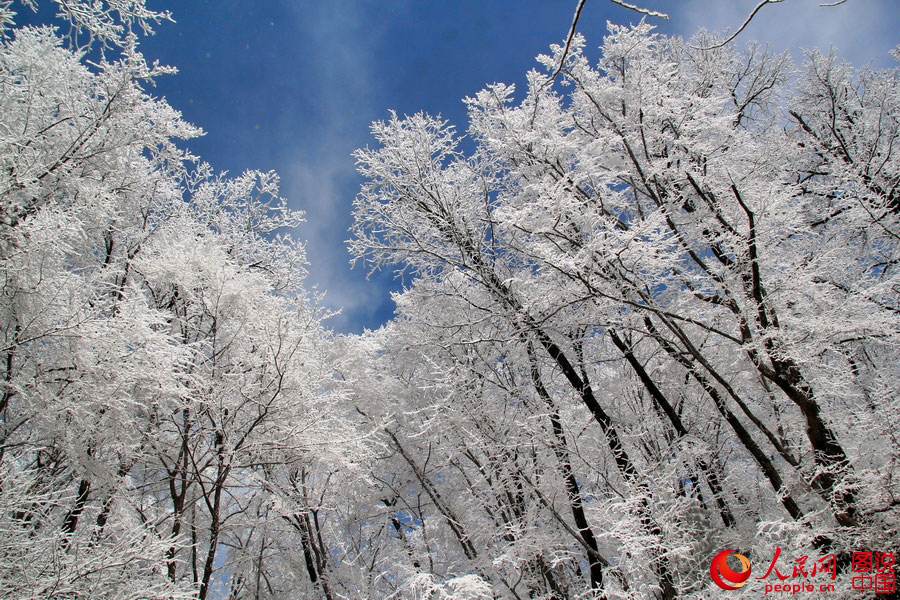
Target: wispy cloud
<point>324,189</point>
<point>341,52</point>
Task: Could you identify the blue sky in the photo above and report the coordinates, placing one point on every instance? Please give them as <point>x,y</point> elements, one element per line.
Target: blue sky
<point>292,86</point>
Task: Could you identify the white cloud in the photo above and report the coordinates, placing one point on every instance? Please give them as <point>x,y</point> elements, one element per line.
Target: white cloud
<point>316,186</point>
<point>341,68</point>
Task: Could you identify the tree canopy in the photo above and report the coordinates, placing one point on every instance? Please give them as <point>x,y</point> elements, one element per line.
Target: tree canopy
<point>652,312</point>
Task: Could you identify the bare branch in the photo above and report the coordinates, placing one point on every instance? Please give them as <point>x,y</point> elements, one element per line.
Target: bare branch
<point>638,9</point>
<point>562,59</point>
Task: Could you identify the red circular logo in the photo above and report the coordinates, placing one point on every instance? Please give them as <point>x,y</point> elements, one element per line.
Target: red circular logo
<point>720,570</point>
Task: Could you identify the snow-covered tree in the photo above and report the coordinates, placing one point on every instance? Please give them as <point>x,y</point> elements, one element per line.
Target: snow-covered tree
<point>686,260</point>
<point>163,367</point>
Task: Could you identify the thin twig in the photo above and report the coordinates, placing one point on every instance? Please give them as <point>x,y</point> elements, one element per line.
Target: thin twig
<point>742,27</point>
